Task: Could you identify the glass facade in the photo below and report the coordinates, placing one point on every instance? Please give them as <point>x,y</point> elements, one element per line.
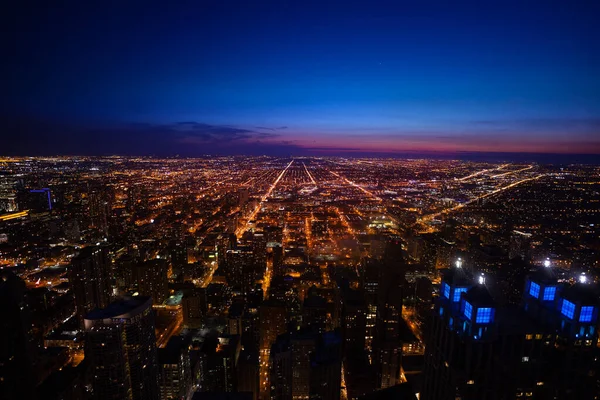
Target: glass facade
<point>485,315</point>
<point>568,309</point>
<point>457,292</point>
<point>534,290</point>
<point>586,314</point>
<point>468,310</point>
<point>446,290</point>
<point>549,293</point>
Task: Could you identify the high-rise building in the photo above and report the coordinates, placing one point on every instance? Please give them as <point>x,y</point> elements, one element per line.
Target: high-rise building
<point>193,306</point>
<point>16,348</point>
<point>151,278</point>
<point>239,268</point>
<point>305,364</point>
<point>99,210</point>
<point>543,349</point>
<point>272,323</point>
<point>121,349</point>
<point>89,275</point>
<point>326,367</point>
<point>387,346</point>
<point>222,365</point>
<point>174,369</point>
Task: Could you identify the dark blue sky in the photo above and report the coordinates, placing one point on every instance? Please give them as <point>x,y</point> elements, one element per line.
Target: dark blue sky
<point>198,77</point>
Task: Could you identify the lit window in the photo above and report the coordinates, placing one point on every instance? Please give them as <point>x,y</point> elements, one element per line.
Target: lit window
<point>525,359</point>
<point>586,314</point>
<point>471,382</point>
<point>549,293</point>
<point>446,290</point>
<point>568,309</point>
<point>457,292</point>
<point>534,290</point>
<point>538,337</point>
<point>529,337</point>
<point>468,310</point>
<point>540,383</point>
<point>441,310</point>
<point>485,315</point>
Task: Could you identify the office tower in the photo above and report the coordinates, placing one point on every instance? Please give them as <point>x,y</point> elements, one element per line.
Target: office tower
<point>175,372</point>
<point>240,268</point>
<point>359,372</point>
<point>354,311</point>
<point>259,251</point>
<point>99,210</point>
<point>194,306</point>
<point>314,313</point>
<point>151,278</point>
<point>290,365</point>
<point>234,319</point>
<point>305,364</point>
<point>387,344</point>
<point>248,379</point>
<point>272,322</point>
<point>89,275</point>
<point>566,318</point>
<point>179,254</point>
<point>458,351</point>
<point>543,349</point>
<point>326,367</point>
<point>121,348</point>
<point>16,347</point>
<point>372,271</point>
<point>222,365</point>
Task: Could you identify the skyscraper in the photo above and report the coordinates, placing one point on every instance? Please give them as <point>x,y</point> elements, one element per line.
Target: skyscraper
<point>121,349</point>
<point>16,350</point>
<point>175,372</point>
<point>543,349</point>
<point>89,277</point>
<point>151,278</point>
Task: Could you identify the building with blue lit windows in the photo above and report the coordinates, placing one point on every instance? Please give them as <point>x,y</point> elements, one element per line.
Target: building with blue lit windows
<point>544,348</point>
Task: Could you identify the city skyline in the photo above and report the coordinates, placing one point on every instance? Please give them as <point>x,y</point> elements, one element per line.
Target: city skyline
<point>313,79</point>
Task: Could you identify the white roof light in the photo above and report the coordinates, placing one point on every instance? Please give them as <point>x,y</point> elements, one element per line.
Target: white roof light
<point>458,263</point>
<point>547,263</point>
<point>582,278</point>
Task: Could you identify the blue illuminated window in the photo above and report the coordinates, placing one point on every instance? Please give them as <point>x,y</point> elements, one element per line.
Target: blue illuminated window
<point>446,290</point>
<point>484,315</point>
<point>549,293</point>
<point>534,290</point>
<point>468,310</point>
<point>586,314</point>
<point>567,309</point>
<point>457,292</point>
<point>441,310</point>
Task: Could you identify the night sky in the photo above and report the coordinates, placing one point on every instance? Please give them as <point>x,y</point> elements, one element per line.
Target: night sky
<point>301,77</point>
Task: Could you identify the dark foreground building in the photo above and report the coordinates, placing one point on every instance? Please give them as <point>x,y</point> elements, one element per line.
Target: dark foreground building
<point>543,349</point>
<point>121,349</point>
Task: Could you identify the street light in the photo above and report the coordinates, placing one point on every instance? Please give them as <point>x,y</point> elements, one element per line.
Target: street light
<point>582,278</point>
<point>547,263</point>
<point>458,263</point>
